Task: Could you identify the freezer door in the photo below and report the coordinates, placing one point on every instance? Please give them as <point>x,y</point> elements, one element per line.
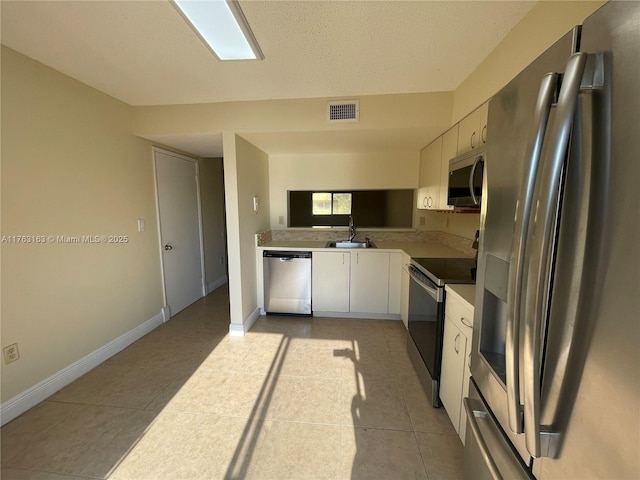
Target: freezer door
<point>488,455</point>
<point>591,391</point>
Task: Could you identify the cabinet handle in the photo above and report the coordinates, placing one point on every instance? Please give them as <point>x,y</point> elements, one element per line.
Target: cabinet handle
<point>469,361</point>
<point>473,136</point>
<point>483,135</point>
<point>424,202</point>
<point>429,202</point>
<point>466,322</point>
<point>455,344</point>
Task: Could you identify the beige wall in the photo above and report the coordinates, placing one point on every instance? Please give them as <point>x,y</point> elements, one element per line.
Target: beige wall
<point>70,166</point>
<point>460,224</point>
<point>246,174</point>
<point>545,23</point>
<point>428,112</point>
<point>213,219</point>
<point>337,171</point>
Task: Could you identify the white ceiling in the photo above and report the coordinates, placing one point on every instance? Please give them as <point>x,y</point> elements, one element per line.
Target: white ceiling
<point>143,52</point>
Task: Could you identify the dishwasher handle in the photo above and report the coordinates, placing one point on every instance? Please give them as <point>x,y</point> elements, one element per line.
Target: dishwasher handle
<point>285,256</point>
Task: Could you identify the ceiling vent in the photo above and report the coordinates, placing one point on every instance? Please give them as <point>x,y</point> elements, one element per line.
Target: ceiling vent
<point>343,111</point>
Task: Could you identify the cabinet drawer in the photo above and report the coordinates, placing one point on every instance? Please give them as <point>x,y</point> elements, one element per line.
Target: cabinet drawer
<point>459,313</point>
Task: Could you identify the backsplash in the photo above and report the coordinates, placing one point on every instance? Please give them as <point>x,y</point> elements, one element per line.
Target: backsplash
<point>458,243</point>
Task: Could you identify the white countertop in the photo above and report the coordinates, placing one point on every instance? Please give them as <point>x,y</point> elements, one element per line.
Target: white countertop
<point>413,249</point>
<point>465,293</point>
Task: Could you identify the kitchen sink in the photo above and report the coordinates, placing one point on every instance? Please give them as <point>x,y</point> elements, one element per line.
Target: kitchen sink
<point>347,244</point>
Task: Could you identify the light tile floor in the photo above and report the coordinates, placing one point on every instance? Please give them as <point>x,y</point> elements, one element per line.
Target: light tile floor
<point>296,398</point>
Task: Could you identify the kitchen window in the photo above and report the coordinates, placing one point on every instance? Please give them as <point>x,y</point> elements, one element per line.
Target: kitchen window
<point>332,208</point>
<point>329,203</point>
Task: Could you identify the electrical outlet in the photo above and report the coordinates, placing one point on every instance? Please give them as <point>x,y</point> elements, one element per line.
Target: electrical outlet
<point>281,220</point>
<point>422,220</point>
<point>11,353</point>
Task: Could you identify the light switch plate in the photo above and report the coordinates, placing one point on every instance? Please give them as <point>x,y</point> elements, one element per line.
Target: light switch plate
<point>255,204</point>
<point>141,225</point>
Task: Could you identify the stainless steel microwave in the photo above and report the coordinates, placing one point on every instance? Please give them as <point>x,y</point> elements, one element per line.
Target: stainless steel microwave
<point>465,180</point>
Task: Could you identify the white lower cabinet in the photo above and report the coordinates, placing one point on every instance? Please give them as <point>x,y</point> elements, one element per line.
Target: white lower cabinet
<point>404,289</point>
<point>369,291</point>
<point>456,349</point>
<point>395,283</point>
<point>355,281</point>
<point>330,274</point>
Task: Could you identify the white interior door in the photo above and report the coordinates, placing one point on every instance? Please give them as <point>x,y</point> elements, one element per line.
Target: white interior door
<point>180,229</point>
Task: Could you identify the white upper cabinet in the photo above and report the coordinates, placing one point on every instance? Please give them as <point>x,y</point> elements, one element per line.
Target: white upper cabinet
<point>449,150</point>
<point>484,114</point>
<point>430,165</point>
<point>473,130</point>
<point>469,134</point>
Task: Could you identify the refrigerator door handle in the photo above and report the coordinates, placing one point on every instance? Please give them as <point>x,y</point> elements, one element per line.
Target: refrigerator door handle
<point>543,226</point>
<point>474,198</point>
<point>545,100</point>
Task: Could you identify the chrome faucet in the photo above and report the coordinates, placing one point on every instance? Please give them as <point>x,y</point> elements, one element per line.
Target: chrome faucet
<point>352,229</point>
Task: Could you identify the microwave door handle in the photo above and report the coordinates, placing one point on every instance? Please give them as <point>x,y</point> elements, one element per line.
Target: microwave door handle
<point>543,224</point>
<point>474,198</point>
<point>546,96</point>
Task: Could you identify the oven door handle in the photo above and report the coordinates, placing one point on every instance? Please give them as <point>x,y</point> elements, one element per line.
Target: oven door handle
<point>433,291</point>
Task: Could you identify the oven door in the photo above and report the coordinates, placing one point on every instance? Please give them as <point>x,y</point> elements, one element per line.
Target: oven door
<point>426,320</point>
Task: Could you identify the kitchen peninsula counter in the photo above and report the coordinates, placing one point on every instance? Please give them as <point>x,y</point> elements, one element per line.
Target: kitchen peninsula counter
<point>413,249</point>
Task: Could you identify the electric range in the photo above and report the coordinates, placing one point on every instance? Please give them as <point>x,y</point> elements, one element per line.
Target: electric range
<point>428,277</point>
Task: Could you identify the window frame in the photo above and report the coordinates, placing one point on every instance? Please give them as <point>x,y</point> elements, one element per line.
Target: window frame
<point>332,213</point>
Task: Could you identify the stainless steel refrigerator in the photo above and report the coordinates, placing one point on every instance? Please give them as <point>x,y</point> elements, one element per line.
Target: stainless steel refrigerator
<point>555,390</point>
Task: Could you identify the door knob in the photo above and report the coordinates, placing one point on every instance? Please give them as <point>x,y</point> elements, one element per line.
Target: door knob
<point>168,247</point>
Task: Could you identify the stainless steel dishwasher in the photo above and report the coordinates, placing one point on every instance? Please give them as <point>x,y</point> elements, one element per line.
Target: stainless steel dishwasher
<point>287,282</point>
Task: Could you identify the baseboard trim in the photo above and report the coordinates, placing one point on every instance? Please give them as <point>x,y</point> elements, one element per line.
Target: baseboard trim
<point>236,330</point>
<point>22,402</point>
<point>217,283</point>
<point>361,316</point>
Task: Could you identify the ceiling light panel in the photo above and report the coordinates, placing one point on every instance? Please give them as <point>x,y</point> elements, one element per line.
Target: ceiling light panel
<point>222,26</point>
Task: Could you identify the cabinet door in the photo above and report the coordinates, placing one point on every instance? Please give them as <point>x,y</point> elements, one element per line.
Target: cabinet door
<point>330,281</point>
<point>429,185</point>
<point>484,113</point>
<point>449,151</point>
<point>395,282</point>
<point>404,290</point>
<point>469,133</point>
<point>465,389</point>
<point>369,282</point>
<point>454,348</point>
